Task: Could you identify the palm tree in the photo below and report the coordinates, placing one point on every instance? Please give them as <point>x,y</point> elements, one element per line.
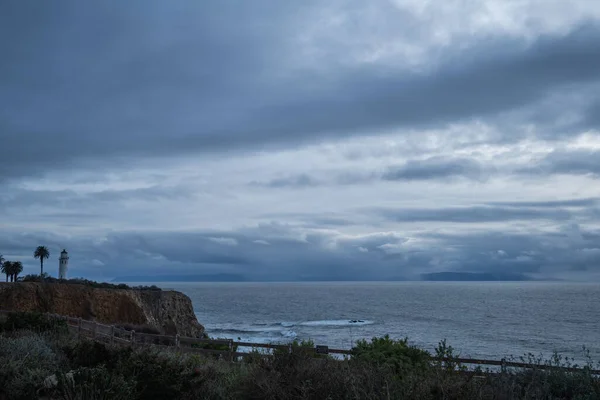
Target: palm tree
<point>42,253</point>
<point>17,268</point>
<point>6,268</point>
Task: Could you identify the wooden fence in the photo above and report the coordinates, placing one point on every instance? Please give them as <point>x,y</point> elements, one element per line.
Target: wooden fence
<point>116,335</point>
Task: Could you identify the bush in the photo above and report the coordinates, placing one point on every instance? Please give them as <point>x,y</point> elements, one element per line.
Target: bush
<point>86,282</point>
<point>158,375</point>
<point>149,329</point>
<point>94,384</point>
<point>24,363</point>
<point>396,354</point>
<point>33,321</point>
<point>88,353</point>
<point>380,368</point>
<point>216,346</point>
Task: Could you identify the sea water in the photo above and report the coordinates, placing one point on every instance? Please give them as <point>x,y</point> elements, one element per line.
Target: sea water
<point>489,320</point>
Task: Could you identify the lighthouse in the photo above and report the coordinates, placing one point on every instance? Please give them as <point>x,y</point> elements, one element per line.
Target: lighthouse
<point>63,264</point>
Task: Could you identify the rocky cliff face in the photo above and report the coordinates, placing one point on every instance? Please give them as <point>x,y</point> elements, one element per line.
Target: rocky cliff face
<point>169,311</point>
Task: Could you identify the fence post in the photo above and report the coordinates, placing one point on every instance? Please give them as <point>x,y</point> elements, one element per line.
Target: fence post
<point>132,337</point>
<point>230,349</point>
<point>79,327</point>
<point>177,344</point>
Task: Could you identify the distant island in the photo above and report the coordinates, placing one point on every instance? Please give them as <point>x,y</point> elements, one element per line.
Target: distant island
<point>475,277</point>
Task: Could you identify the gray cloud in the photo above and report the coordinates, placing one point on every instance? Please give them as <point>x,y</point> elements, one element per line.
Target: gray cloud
<point>435,168</point>
<point>389,256</point>
<point>131,137</point>
<point>590,202</point>
<point>142,89</point>
<point>298,181</point>
<point>570,162</point>
<point>473,214</point>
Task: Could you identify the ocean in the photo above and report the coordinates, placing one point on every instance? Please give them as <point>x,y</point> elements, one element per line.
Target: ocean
<point>490,320</point>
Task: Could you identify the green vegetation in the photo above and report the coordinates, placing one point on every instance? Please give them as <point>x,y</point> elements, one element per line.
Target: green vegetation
<point>86,282</point>
<point>39,359</point>
<point>34,322</point>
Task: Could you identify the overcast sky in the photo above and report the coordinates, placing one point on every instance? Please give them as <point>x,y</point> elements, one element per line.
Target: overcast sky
<point>301,139</point>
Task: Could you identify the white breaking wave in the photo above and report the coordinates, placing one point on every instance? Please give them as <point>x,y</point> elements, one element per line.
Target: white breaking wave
<point>338,322</point>
<point>327,323</point>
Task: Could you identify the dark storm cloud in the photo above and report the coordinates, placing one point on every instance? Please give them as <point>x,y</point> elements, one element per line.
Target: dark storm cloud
<point>572,248</point>
<point>316,220</point>
<point>297,181</point>
<point>157,80</point>
<point>435,168</point>
<point>388,255</point>
<point>590,202</point>
<point>68,199</point>
<point>472,214</point>
<point>572,162</point>
<point>592,115</point>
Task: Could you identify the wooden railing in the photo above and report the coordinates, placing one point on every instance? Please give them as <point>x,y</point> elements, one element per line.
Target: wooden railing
<point>116,335</point>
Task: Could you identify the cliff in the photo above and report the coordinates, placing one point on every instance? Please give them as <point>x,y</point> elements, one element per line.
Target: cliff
<point>169,311</point>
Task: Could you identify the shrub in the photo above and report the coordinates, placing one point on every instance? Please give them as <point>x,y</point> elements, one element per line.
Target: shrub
<point>88,353</point>
<point>216,346</point>
<point>24,363</point>
<point>94,384</point>
<point>33,321</point>
<point>396,354</point>
<point>149,329</point>
<point>158,375</point>
<point>86,282</point>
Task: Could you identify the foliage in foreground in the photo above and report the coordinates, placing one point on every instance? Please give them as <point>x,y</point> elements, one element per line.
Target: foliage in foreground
<point>55,365</point>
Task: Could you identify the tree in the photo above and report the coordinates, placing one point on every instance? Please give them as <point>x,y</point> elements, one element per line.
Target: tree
<point>42,253</point>
<point>17,268</point>
<point>6,269</point>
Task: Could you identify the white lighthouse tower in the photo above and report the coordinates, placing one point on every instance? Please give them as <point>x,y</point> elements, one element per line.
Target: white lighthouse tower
<point>63,264</point>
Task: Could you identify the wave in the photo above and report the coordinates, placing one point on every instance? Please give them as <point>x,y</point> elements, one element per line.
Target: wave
<point>246,330</point>
<point>278,332</point>
<point>339,322</point>
<point>327,323</point>
<point>255,335</point>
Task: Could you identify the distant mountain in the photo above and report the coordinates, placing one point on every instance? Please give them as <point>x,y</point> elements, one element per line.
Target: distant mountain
<point>183,278</point>
<point>474,277</point>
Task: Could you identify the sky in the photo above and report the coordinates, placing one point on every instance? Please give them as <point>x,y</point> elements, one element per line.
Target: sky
<point>308,140</point>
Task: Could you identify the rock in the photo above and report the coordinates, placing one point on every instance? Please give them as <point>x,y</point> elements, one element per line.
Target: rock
<point>170,312</point>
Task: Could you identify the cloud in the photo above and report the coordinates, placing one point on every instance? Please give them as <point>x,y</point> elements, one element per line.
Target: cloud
<point>389,256</point>
<point>302,140</point>
<point>435,168</point>
<point>298,181</point>
<point>149,90</point>
<point>224,241</point>
<point>579,203</point>
<point>578,162</point>
<point>472,214</point>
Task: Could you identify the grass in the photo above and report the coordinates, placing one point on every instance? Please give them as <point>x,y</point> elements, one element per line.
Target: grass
<point>38,358</point>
